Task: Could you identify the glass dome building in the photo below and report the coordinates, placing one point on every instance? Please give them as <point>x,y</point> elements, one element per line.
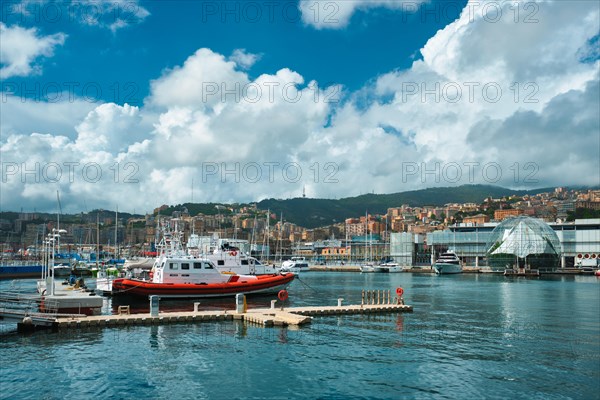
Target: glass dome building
<point>523,242</point>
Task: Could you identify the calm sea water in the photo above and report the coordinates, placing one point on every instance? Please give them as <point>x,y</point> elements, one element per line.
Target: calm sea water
<point>469,337</point>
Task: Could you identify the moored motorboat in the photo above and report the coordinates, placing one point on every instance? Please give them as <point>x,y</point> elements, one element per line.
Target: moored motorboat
<point>183,276</point>
<point>367,268</point>
<point>295,264</point>
<point>389,267</point>
<point>61,271</point>
<point>20,269</point>
<point>448,263</point>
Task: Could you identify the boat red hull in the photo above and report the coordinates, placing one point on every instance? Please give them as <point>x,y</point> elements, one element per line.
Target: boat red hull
<point>263,284</point>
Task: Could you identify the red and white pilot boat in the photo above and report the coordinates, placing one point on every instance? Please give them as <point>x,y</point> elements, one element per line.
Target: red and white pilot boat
<point>177,274</point>
<point>189,277</point>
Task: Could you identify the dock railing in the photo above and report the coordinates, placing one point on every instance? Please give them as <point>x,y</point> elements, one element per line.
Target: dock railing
<point>17,304</point>
<point>379,297</point>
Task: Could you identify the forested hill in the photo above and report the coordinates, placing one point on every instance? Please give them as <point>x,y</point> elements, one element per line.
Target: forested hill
<point>311,213</point>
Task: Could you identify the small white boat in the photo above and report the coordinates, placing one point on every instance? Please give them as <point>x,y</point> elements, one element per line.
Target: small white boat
<point>61,271</point>
<point>295,264</point>
<point>448,263</point>
<point>389,267</point>
<point>367,268</point>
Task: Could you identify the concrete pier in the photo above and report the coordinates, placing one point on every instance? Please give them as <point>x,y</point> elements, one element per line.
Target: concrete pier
<point>414,270</point>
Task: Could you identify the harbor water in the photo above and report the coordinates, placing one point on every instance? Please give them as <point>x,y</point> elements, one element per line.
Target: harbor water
<point>471,336</point>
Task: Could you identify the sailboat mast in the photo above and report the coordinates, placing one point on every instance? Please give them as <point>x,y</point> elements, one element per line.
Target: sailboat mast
<point>280,237</point>
<point>252,244</point>
<point>97,237</point>
<point>58,220</point>
<point>116,225</point>
<point>265,239</point>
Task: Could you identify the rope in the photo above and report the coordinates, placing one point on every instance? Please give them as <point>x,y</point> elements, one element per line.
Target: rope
<point>306,284</point>
<point>131,288</point>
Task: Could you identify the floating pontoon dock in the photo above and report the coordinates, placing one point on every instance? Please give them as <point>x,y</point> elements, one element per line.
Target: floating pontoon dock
<point>372,302</point>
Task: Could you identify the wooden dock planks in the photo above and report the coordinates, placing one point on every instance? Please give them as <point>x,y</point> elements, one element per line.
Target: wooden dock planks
<point>262,316</point>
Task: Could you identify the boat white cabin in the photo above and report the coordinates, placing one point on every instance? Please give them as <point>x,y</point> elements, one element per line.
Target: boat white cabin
<point>187,269</point>
<point>228,257</point>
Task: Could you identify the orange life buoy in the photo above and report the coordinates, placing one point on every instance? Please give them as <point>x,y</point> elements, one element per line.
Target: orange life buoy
<point>399,291</point>
<point>282,295</point>
<point>233,253</point>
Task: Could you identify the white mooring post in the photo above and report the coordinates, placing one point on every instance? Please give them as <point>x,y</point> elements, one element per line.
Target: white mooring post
<point>240,303</point>
<point>154,305</point>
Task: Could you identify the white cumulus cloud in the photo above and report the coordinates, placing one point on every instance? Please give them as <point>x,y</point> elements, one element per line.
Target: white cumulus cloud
<point>244,59</point>
<point>22,47</point>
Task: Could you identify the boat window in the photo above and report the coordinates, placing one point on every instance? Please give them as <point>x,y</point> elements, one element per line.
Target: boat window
<point>208,265</point>
<point>185,266</point>
<point>220,262</point>
<point>173,266</point>
<point>244,262</point>
<point>197,265</point>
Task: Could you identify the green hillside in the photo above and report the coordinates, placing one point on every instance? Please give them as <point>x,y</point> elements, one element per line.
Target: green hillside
<point>312,213</point>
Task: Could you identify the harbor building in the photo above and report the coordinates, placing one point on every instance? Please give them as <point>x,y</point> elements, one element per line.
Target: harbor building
<point>523,243</point>
<point>579,243</point>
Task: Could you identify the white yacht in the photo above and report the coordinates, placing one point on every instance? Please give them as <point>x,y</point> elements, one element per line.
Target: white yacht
<point>448,263</point>
<point>367,268</point>
<point>295,264</point>
<point>389,267</point>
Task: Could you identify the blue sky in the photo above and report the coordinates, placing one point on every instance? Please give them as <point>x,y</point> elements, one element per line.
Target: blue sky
<point>365,96</point>
<point>173,30</point>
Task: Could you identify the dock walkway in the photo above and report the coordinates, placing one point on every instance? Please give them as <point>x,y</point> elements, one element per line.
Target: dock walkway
<point>261,316</point>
